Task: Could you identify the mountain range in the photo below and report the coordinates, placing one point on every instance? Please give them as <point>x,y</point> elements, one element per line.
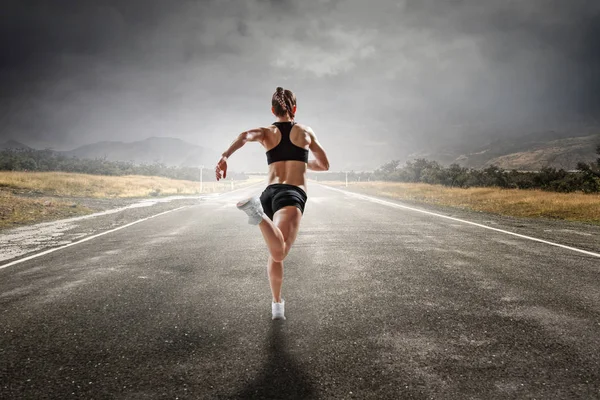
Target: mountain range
<point>529,152</point>
<point>13,145</point>
<point>165,150</point>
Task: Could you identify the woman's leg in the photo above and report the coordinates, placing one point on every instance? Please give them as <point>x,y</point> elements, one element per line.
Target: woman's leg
<point>280,233</point>
<point>286,221</point>
<point>275,272</point>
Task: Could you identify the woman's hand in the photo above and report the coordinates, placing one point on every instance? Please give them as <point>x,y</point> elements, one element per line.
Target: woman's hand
<point>221,167</point>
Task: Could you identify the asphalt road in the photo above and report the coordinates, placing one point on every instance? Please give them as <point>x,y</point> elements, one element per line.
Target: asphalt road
<point>381,302</point>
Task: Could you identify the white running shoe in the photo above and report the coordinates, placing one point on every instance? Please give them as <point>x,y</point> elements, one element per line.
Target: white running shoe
<point>253,208</point>
<point>278,309</point>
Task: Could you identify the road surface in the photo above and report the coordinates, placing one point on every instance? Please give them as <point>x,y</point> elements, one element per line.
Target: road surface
<point>381,302</point>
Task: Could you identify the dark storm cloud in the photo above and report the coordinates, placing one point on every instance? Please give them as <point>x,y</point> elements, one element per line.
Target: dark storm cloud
<point>53,50</point>
<point>587,65</point>
<point>553,44</point>
<point>406,72</point>
<point>33,34</point>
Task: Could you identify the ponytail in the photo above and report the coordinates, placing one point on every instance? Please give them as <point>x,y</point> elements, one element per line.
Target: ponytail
<point>284,101</point>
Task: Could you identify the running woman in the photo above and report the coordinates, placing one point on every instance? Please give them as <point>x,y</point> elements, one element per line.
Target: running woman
<point>280,207</point>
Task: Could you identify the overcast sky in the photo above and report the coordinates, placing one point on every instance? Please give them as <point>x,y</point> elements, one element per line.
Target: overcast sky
<point>375,79</point>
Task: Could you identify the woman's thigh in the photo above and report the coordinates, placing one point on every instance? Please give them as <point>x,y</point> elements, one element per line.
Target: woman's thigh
<point>287,219</point>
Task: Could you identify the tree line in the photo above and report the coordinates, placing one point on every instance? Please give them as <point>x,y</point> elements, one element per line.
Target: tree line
<point>48,160</point>
<point>585,179</point>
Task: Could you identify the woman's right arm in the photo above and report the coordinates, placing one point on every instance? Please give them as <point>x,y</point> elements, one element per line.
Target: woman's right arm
<point>320,163</point>
<point>253,135</point>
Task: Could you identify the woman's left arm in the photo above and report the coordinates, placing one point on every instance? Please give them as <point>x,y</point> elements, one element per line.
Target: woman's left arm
<point>253,135</point>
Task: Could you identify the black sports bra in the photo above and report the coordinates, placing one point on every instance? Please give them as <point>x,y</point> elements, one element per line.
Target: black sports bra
<point>286,150</point>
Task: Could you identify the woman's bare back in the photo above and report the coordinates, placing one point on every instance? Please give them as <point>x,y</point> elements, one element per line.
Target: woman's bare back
<point>290,172</point>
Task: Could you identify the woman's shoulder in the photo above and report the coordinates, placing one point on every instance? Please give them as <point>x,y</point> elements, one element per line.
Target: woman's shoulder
<point>303,127</point>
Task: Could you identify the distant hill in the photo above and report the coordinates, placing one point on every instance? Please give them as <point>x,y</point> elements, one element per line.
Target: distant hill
<point>13,145</point>
<point>562,153</point>
<point>165,150</point>
<point>526,153</point>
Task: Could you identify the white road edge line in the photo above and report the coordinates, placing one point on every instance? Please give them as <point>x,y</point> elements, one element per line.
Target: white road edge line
<point>110,231</point>
<point>86,239</point>
<point>389,203</point>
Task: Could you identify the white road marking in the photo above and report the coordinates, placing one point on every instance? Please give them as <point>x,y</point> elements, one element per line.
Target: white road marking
<point>392,204</point>
<point>124,226</point>
<point>86,239</point>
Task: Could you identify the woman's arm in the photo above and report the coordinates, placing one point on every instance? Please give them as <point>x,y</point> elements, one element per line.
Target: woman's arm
<point>253,135</point>
<point>320,163</point>
<point>313,165</point>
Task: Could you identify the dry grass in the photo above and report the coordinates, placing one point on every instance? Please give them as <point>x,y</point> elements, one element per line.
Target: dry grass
<point>513,202</point>
<point>97,186</point>
<point>15,210</point>
<point>30,197</point>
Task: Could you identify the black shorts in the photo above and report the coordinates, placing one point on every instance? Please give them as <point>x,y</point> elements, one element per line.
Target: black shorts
<point>279,195</point>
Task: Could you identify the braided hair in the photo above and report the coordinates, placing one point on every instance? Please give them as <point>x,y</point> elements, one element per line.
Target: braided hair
<point>283,102</point>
